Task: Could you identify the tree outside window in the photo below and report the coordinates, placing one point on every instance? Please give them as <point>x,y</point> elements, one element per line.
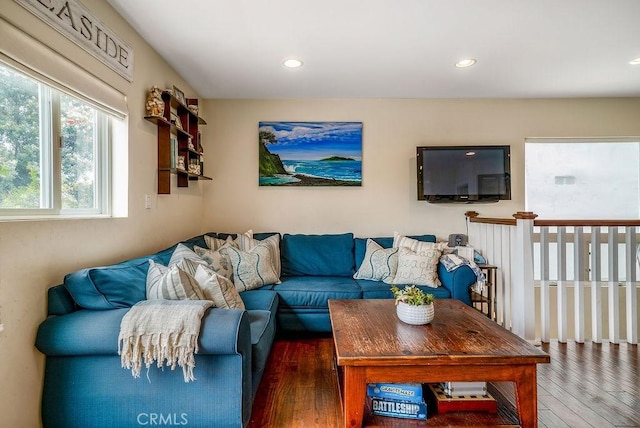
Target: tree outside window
<point>53,149</point>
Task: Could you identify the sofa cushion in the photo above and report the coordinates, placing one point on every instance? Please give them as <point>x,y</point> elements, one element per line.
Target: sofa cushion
<point>384,242</point>
<point>315,291</point>
<point>380,290</point>
<point>266,300</point>
<point>379,264</point>
<point>318,255</point>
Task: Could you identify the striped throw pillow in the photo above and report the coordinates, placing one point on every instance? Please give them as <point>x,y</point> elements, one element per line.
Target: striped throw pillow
<point>171,283</point>
<point>218,289</point>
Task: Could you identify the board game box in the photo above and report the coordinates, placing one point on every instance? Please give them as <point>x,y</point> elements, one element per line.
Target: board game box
<point>458,389</point>
<point>398,408</point>
<point>396,391</point>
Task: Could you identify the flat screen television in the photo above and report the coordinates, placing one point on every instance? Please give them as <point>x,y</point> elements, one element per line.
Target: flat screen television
<point>464,173</point>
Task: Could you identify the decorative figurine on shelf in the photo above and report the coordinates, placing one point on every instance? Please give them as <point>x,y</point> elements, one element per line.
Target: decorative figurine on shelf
<point>194,167</point>
<point>180,164</point>
<point>155,104</point>
<point>190,144</point>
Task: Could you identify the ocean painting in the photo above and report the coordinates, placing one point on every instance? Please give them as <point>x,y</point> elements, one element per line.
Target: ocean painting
<point>310,153</point>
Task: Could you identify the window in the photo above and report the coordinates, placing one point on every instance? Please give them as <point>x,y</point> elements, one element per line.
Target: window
<point>54,150</point>
<point>583,178</point>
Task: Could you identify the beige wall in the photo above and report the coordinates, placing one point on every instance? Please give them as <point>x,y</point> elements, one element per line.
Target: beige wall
<point>36,255</point>
<point>391,131</point>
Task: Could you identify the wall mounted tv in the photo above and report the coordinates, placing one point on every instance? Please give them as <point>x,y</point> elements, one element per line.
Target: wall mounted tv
<point>464,173</point>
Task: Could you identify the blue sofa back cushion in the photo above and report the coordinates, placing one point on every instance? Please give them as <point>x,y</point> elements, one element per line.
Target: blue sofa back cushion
<point>318,255</point>
<point>117,286</point>
<point>385,242</point>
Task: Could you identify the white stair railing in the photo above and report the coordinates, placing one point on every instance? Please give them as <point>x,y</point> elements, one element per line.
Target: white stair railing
<point>583,276</point>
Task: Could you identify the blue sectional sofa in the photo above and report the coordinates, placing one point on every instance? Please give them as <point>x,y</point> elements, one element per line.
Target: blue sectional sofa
<point>85,386</point>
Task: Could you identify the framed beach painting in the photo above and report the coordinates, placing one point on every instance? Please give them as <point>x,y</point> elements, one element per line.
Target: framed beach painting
<point>310,153</point>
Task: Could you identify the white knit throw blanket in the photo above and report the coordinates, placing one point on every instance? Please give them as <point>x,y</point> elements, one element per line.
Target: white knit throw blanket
<point>159,331</point>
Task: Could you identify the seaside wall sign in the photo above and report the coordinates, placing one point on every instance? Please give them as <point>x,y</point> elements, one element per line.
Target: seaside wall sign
<point>74,21</point>
<point>310,153</point>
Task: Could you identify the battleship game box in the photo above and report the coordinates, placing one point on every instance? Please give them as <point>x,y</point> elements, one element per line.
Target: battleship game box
<point>398,408</point>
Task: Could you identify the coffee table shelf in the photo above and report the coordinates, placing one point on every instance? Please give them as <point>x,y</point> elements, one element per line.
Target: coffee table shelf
<point>505,417</point>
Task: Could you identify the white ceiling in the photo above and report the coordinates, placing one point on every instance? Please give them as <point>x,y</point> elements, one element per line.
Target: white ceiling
<point>396,49</point>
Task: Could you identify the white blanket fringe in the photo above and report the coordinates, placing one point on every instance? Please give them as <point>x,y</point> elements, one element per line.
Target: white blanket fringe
<point>161,331</point>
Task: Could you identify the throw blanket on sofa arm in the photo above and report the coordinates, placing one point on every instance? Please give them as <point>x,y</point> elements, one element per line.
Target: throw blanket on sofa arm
<point>159,331</point>
<point>453,261</point>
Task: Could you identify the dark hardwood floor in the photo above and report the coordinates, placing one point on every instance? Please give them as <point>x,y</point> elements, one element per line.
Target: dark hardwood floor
<point>586,385</point>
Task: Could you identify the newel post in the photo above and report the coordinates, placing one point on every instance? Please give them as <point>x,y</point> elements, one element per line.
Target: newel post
<point>522,291</point>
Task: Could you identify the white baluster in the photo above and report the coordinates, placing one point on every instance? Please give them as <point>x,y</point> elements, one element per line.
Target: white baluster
<point>545,301</point>
<point>522,289</point>
<point>631,296</point>
<point>561,254</point>
<point>578,285</point>
<point>596,285</point>
<point>614,315</point>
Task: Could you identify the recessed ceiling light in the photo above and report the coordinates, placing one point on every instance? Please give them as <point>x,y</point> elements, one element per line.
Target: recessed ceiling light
<point>470,153</point>
<point>292,63</point>
<point>635,61</point>
<point>465,63</point>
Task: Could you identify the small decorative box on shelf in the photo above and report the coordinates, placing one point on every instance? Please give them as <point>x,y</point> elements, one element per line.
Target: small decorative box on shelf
<point>467,403</point>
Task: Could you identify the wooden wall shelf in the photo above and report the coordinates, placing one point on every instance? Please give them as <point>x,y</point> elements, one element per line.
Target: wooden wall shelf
<point>178,137</point>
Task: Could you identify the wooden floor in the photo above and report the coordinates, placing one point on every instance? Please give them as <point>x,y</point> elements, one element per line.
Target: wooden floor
<point>588,385</point>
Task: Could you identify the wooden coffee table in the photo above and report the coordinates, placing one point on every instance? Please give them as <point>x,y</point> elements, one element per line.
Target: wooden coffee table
<point>460,344</point>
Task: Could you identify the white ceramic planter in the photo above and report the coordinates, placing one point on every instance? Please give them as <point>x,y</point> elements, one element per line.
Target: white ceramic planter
<point>416,315</point>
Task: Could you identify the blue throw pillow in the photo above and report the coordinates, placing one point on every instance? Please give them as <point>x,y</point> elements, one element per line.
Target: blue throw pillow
<point>109,287</point>
<point>319,255</point>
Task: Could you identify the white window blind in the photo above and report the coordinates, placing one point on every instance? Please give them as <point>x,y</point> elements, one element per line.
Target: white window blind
<point>39,61</point>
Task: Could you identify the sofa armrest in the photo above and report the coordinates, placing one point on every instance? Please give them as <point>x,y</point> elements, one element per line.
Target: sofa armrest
<point>458,281</point>
<point>89,332</point>
<point>59,301</point>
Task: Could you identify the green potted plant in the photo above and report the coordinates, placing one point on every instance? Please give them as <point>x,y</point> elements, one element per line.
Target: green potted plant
<point>413,305</point>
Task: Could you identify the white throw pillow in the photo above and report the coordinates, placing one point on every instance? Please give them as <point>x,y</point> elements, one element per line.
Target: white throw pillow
<point>218,289</point>
<point>217,243</point>
<point>217,260</point>
<point>419,268</point>
<point>190,265</point>
<point>252,269</point>
<point>246,243</point>
<point>378,264</point>
<point>183,252</point>
<point>415,245</point>
<point>171,283</point>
